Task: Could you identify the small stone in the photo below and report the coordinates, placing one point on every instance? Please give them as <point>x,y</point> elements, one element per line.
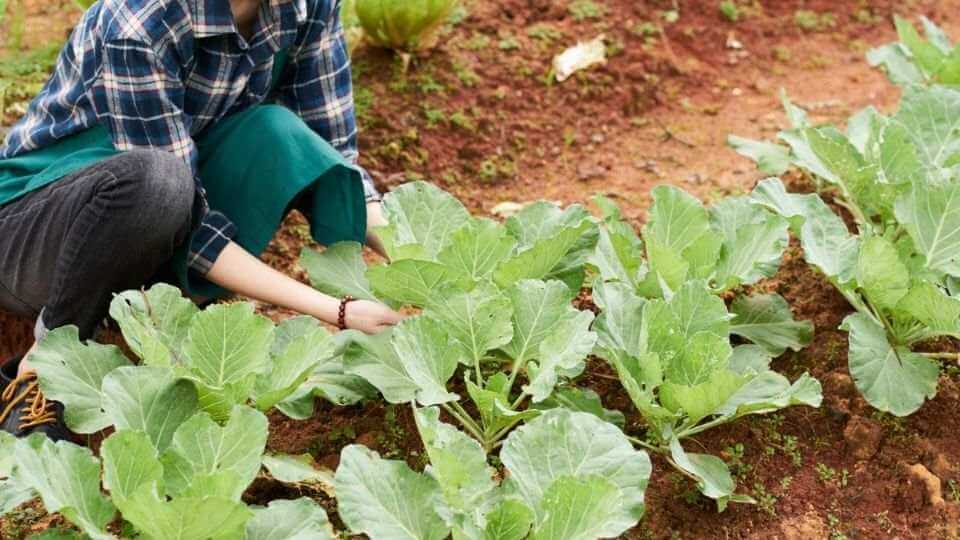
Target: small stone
<point>507,209</point>
<point>863,437</point>
<point>922,484</point>
<point>589,172</point>
<point>598,138</point>
<point>737,92</point>
<point>802,527</point>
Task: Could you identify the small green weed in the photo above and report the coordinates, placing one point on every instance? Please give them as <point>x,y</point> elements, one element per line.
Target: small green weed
<point>587,9</point>
<point>544,32</point>
<point>811,21</point>
<point>825,473</point>
<point>729,10</point>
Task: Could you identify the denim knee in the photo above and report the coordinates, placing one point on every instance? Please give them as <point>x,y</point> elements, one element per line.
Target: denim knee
<point>158,188</point>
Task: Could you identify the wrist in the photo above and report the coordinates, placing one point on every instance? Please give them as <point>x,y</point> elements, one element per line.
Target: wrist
<point>342,311</point>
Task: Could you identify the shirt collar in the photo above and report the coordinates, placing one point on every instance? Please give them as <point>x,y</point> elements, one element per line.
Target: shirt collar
<point>214,18</point>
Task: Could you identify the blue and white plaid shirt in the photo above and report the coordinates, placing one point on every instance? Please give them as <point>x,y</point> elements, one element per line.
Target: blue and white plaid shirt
<point>156,73</point>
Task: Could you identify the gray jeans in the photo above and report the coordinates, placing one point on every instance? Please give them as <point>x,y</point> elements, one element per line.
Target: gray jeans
<point>65,249</point>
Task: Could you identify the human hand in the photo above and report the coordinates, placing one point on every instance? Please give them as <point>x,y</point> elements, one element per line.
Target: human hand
<point>370,317</point>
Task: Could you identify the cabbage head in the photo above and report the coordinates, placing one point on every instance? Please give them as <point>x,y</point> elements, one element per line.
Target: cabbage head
<point>403,25</point>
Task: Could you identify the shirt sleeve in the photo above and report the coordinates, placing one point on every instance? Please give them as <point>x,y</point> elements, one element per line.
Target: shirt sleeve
<point>317,85</point>
<point>138,97</point>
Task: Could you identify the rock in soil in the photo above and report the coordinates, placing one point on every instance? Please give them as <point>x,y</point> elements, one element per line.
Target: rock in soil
<point>863,437</point>
<point>838,392</point>
<point>804,527</point>
<point>921,487</point>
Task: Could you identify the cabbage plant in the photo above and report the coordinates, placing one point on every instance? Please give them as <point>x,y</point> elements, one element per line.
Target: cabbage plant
<point>915,59</point>
<point>494,342</point>
<point>666,331</point>
<point>403,25</point>
<point>495,315</point>
<point>188,432</point>
<point>568,475</point>
<point>897,177</point>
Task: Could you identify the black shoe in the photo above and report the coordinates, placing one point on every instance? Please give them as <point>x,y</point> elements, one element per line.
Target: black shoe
<point>24,409</point>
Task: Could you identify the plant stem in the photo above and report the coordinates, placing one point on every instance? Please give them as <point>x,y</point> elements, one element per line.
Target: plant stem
<point>500,434</point>
<point>941,355</point>
<point>640,442</point>
<point>464,419</point>
<point>476,366</point>
<point>702,427</point>
<point>519,400</point>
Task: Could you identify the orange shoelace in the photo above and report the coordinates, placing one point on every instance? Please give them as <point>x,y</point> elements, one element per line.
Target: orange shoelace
<point>38,410</point>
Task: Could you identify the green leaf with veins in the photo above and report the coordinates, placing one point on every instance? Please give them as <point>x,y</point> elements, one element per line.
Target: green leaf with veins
<point>895,62</point>
<point>926,55</point>
<point>149,399</point>
<point>680,241</point>
<point>580,509</point>
<point>14,491</point>
<point>292,363</point>
<point>130,461</point>
<point>826,242</point>
<point>72,373</point>
<point>705,353</point>
<point>479,320</point>
<point>67,478</point>
<point>298,519</point>
<point>414,361</point>
<point>476,249</point>
<point>753,242</point>
<point>542,220</point>
<point>881,276</point>
<point>699,311</point>
<point>766,320</point>
<point>227,343</point>
<point>493,404</point>
<point>547,257</point>
<point>768,391</point>
<point>931,215</point>
<point>330,381</point>
<point>386,499</point>
<point>749,358</point>
<point>931,117</point>
<point>201,448</point>
<point>713,476</point>
<point>298,470</point>
<point>862,127</point>
<point>771,158</point>
<point>211,516</point>
<point>421,214</point>
<point>563,352</point>
<point>459,465</point>
<point>894,380</point>
<point>510,520</point>
<point>796,115</point>
<point>538,306</point>
<point>618,254</point>
<point>410,281</point>
<point>931,305</point>
<point>339,270</point>
<point>582,400</point>
<point>700,400</point>
<point>154,322</point>
<point>849,169</point>
<point>581,446</point>
<point>618,327</point>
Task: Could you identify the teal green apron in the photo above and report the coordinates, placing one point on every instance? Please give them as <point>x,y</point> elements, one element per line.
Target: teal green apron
<point>253,165</point>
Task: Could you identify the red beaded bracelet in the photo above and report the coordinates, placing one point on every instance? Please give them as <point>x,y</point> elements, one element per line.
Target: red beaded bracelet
<point>342,316</point>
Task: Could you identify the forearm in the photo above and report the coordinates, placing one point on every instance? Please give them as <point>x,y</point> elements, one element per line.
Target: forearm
<point>240,272</point>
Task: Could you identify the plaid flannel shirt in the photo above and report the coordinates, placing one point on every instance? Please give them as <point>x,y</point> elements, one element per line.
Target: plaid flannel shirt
<point>156,73</point>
